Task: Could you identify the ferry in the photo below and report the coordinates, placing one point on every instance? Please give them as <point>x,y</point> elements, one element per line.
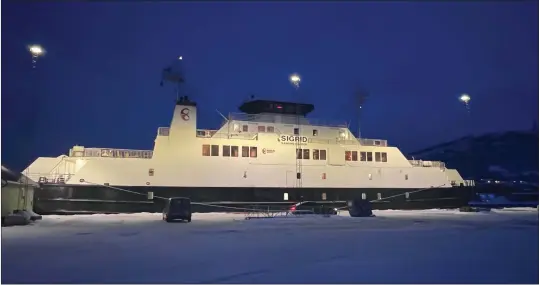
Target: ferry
<point>270,153</point>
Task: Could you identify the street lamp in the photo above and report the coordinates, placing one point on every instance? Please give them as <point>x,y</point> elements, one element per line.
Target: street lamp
<point>295,79</point>
<point>465,99</point>
<point>36,51</point>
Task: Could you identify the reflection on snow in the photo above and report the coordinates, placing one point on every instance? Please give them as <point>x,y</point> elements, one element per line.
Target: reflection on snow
<point>395,247</point>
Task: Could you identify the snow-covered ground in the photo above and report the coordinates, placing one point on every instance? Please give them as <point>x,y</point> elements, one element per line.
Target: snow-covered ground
<point>433,246</point>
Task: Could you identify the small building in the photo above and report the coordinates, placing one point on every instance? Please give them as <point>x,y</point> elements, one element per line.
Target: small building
<point>17,192</point>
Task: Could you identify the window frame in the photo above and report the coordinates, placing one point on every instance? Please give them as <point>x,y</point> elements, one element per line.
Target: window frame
<point>251,152</point>
<point>369,156</point>
<point>316,154</point>
<point>245,151</point>
<point>348,155</point>
<point>325,154</point>
<point>226,151</point>
<point>306,153</point>
<point>354,155</point>
<point>214,150</point>
<point>206,150</point>
<point>232,147</point>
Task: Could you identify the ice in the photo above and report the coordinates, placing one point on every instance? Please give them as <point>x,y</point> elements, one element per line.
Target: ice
<point>431,246</point>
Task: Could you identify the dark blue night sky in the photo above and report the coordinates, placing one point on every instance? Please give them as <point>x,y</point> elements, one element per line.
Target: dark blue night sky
<point>98,84</point>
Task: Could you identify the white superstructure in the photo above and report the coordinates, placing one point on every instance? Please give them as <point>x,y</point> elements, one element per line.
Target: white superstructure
<point>247,151</point>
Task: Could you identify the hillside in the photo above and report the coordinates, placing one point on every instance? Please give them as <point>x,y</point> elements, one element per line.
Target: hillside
<point>500,156</point>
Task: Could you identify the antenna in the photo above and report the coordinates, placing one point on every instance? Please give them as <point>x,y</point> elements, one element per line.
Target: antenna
<point>361,96</point>
<point>173,73</point>
<point>226,119</point>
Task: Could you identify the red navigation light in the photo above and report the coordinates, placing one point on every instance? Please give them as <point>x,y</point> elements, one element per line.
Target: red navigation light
<point>293,208</point>
<point>279,106</point>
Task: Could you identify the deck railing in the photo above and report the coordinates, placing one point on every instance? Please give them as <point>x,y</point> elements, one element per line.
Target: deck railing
<point>285,119</point>
<point>113,153</point>
<point>373,142</point>
<point>427,163</point>
<point>205,133</point>
<point>163,131</point>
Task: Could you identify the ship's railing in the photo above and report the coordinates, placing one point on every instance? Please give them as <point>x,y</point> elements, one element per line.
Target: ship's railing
<point>201,133</point>
<point>285,119</point>
<point>427,163</point>
<point>114,153</point>
<point>373,142</point>
<point>467,183</point>
<point>54,178</point>
<point>207,133</point>
<point>163,131</point>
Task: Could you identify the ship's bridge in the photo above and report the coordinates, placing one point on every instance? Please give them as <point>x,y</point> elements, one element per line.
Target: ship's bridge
<point>276,107</point>
<point>279,112</point>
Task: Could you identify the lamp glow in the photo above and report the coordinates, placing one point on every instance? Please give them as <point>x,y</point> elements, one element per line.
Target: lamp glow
<point>295,79</point>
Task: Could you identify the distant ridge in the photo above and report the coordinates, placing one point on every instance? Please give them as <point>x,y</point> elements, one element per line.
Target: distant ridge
<point>512,155</point>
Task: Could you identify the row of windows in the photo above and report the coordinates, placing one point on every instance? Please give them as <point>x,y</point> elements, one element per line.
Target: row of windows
<point>229,150</point>
<point>318,154</point>
<point>261,129</point>
<point>271,129</point>
<point>365,156</point>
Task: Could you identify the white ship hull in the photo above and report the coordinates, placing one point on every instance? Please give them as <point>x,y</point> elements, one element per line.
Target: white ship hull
<point>258,158</point>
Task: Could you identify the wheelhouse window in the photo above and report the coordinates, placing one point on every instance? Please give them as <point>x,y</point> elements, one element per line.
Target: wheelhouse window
<point>205,150</point>
<point>244,151</point>
<point>234,151</point>
<point>226,150</point>
<point>369,156</point>
<point>306,154</point>
<point>270,129</point>
<point>245,128</point>
<point>214,150</point>
<point>315,133</point>
<point>377,157</point>
<point>296,131</point>
<point>363,156</point>
<point>348,155</point>
<point>254,152</point>
<point>384,156</point>
<point>261,129</point>
<point>299,154</point>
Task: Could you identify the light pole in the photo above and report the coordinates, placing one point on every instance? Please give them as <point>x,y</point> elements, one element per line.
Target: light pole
<point>35,51</point>
<point>361,96</point>
<point>295,80</point>
<point>465,99</point>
